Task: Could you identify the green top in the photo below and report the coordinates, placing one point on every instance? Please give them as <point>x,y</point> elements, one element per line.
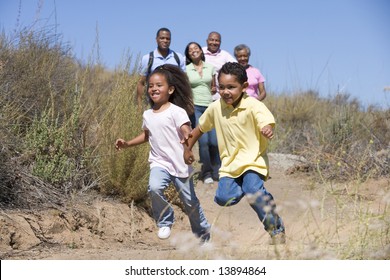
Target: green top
<point>201,86</point>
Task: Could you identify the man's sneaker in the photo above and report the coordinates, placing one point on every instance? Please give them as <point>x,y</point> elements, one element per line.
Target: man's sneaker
<point>279,238</point>
<point>164,232</point>
<point>208,181</point>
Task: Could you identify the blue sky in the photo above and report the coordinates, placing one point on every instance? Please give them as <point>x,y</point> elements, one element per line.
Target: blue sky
<point>329,46</point>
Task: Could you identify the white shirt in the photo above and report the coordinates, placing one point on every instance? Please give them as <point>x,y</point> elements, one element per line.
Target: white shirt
<point>166,151</point>
<point>217,59</point>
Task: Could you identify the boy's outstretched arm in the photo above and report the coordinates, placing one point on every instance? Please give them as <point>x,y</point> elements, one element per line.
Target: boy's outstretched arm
<point>186,132</point>
<point>188,142</point>
<point>142,138</point>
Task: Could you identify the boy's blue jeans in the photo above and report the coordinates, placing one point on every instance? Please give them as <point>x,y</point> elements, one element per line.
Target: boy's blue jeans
<point>163,212</point>
<point>231,190</point>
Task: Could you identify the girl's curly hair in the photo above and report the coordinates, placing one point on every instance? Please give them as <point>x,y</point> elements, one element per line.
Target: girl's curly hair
<point>182,96</point>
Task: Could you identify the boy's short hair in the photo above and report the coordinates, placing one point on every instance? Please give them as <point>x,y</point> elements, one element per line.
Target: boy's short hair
<point>236,69</point>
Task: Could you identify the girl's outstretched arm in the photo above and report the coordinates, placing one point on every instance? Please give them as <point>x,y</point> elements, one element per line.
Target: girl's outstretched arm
<point>140,139</point>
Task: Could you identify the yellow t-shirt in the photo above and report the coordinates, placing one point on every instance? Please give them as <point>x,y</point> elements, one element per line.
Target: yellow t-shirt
<point>241,145</point>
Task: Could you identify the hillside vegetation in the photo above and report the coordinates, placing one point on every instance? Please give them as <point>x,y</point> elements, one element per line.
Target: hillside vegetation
<point>59,119</point>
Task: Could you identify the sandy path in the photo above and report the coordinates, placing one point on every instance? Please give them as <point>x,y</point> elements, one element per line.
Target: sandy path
<point>316,224</point>
<point>236,231</point>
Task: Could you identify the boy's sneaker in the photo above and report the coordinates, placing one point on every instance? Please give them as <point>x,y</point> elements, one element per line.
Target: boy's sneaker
<point>279,238</point>
<point>208,181</point>
<point>164,232</point>
<point>204,238</point>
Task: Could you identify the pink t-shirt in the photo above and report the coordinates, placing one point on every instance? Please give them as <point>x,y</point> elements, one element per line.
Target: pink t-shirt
<point>254,79</point>
<point>166,151</point>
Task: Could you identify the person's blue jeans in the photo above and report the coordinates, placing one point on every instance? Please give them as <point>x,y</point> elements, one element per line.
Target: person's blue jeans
<point>208,149</point>
<point>231,190</point>
<point>163,212</point>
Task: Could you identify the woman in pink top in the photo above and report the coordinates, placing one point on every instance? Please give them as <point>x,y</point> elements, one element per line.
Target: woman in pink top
<point>256,80</point>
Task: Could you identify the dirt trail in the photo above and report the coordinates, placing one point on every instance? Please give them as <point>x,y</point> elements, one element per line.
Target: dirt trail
<point>104,229</point>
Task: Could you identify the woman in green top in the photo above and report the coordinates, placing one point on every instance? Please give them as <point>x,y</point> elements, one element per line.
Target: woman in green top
<point>202,79</point>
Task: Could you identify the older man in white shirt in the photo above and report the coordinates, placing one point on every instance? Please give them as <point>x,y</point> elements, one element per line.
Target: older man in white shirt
<point>215,56</point>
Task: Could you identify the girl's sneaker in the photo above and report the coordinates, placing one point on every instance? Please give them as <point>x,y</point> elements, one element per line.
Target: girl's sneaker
<point>164,232</point>
<point>208,181</point>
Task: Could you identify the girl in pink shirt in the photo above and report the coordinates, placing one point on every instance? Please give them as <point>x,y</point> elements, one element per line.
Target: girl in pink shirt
<point>164,126</point>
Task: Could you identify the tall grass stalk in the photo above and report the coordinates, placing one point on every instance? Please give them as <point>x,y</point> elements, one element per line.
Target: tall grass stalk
<point>127,170</point>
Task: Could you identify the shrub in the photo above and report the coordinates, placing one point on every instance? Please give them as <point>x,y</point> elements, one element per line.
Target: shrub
<point>116,115</point>
<point>338,138</point>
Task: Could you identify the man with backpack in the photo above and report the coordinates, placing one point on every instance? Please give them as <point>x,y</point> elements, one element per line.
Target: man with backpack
<point>160,56</point>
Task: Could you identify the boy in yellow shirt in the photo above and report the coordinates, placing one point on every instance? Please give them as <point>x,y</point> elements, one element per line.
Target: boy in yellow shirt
<point>243,126</point>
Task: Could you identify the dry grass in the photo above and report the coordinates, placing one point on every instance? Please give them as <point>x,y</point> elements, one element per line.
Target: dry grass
<point>59,121</point>
<point>68,116</point>
<point>336,136</point>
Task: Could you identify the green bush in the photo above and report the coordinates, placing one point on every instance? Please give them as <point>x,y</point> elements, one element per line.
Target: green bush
<point>56,151</point>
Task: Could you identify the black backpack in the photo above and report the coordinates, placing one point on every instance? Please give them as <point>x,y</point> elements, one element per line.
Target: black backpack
<point>151,57</point>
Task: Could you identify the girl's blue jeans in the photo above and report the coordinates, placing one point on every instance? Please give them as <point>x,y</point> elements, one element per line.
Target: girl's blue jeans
<point>208,149</point>
<point>231,190</point>
<point>163,212</point>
